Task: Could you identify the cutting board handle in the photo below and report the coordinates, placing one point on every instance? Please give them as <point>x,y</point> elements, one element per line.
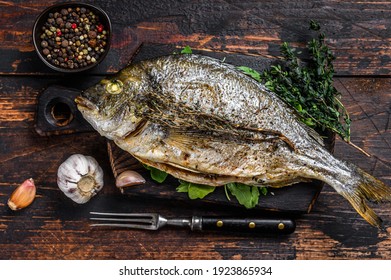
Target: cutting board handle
<point>57,113</point>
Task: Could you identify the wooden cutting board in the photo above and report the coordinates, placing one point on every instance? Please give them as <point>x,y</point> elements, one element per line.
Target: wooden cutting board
<point>57,114</point>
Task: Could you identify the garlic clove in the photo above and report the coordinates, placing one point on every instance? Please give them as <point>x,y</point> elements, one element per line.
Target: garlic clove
<point>129,178</point>
<point>23,195</point>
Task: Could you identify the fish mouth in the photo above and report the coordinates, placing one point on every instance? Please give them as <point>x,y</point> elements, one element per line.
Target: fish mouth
<point>83,102</point>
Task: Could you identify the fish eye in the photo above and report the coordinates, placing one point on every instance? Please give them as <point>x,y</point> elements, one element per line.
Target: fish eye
<point>114,87</point>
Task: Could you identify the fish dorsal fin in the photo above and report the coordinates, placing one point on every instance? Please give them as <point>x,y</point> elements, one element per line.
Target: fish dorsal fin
<point>184,139</point>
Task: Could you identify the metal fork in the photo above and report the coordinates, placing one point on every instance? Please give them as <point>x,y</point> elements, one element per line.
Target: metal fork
<point>154,221</point>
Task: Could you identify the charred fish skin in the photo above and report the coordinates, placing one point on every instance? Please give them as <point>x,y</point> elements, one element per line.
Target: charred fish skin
<point>203,121</point>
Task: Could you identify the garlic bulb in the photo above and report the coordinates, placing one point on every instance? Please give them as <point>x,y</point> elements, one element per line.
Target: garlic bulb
<point>80,178</point>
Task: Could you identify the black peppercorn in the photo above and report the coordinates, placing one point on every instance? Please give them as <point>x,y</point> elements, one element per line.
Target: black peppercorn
<point>64,43</point>
<point>59,21</point>
<point>92,34</point>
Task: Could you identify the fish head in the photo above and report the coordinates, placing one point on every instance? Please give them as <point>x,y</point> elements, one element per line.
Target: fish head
<point>110,106</point>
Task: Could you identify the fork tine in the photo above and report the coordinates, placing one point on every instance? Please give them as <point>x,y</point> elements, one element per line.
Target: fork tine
<point>150,215</point>
<point>134,226</point>
<point>147,221</point>
<point>144,221</point>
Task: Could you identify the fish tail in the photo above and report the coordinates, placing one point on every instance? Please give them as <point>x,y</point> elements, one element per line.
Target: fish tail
<point>363,189</point>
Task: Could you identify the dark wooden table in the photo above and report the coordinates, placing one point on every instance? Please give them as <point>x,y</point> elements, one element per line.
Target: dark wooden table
<point>53,227</point>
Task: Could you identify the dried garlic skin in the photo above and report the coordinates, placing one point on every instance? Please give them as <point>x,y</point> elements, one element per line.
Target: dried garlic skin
<point>23,195</point>
<point>80,178</point>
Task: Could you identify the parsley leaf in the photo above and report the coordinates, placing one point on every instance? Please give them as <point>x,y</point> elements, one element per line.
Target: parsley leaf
<point>186,50</point>
<point>251,72</point>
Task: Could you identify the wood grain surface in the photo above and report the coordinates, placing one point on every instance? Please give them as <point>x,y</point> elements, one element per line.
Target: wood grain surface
<point>54,227</point>
<point>357,31</point>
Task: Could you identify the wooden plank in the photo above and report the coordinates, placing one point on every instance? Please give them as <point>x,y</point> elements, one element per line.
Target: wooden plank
<point>356,31</point>
<point>54,227</point>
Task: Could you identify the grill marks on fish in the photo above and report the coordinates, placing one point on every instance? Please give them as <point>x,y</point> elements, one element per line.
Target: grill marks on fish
<point>202,121</point>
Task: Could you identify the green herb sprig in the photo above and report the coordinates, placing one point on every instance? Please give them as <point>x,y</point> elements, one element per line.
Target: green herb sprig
<point>194,191</point>
<point>246,195</point>
<point>157,175</point>
<point>186,50</point>
<point>308,87</point>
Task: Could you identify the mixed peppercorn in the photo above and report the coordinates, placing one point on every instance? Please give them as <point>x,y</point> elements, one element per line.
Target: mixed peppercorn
<point>73,38</point>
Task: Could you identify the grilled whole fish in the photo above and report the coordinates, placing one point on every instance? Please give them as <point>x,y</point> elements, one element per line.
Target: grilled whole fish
<point>203,121</point>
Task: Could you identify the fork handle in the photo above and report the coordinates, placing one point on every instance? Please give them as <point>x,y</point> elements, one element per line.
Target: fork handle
<point>264,226</point>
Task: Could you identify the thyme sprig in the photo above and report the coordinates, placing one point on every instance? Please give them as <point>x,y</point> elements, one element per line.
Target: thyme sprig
<point>308,87</point>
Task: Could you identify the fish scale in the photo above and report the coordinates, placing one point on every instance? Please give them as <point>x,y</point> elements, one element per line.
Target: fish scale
<point>201,120</point>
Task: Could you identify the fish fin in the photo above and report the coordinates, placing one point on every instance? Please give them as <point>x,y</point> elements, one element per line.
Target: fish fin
<point>182,139</point>
<point>368,189</point>
<point>139,128</point>
<point>185,138</point>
